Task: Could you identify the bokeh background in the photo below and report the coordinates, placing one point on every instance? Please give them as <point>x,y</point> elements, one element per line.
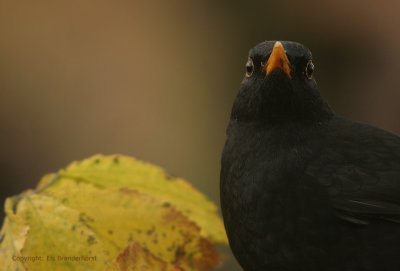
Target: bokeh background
<point>156,79</point>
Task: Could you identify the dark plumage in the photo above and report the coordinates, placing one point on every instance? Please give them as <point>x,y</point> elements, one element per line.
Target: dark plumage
<point>301,187</point>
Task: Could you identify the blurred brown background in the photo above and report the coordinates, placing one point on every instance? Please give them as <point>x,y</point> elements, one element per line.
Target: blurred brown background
<point>156,80</point>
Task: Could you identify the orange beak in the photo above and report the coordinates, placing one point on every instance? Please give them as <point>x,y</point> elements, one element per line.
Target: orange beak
<point>278,60</point>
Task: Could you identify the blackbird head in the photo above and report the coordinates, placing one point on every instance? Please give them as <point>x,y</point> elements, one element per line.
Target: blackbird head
<point>279,86</point>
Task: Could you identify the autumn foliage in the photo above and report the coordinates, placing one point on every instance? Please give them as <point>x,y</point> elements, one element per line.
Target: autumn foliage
<point>110,213</point>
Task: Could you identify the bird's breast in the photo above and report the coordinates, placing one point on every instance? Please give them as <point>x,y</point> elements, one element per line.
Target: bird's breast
<point>262,175</point>
<point>258,171</point>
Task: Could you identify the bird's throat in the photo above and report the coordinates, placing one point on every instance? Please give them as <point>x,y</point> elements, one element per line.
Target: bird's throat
<point>282,101</point>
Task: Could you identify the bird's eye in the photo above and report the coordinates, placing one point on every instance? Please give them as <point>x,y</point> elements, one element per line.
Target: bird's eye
<point>309,69</point>
<point>249,67</point>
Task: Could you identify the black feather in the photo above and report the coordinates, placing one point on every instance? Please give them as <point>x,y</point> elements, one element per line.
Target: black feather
<point>301,187</point>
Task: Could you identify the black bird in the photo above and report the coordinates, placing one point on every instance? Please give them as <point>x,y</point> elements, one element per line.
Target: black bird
<point>301,187</point>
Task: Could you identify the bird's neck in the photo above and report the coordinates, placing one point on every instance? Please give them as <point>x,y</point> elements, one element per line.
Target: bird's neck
<point>280,103</point>
<point>308,111</point>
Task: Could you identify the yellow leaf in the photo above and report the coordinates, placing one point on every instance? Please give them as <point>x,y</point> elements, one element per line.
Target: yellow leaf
<point>122,171</point>
<point>53,231</point>
<point>136,258</point>
<point>12,236</point>
<point>79,221</point>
